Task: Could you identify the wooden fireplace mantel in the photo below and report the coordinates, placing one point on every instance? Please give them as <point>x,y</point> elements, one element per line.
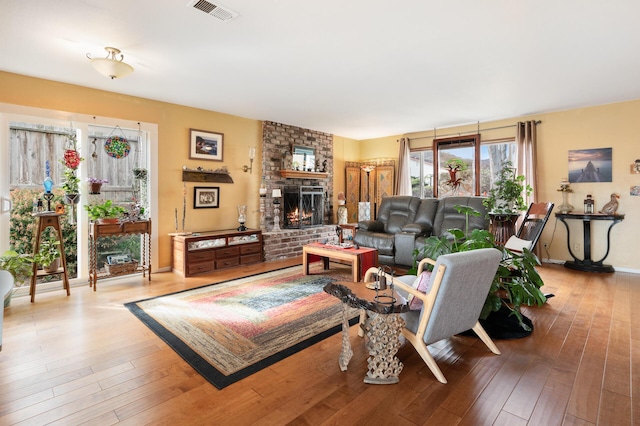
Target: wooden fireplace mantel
<point>296,174</point>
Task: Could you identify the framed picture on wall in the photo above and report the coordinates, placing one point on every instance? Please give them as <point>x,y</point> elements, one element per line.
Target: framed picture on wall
<point>591,165</point>
<point>206,197</point>
<point>206,145</point>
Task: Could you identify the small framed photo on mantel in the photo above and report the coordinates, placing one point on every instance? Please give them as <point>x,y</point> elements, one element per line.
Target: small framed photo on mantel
<point>206,197</point>
<point>206,145</point>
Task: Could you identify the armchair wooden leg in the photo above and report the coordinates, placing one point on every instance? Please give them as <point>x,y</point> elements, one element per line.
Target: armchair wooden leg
<point>485,338</point>
<point>422,350</point>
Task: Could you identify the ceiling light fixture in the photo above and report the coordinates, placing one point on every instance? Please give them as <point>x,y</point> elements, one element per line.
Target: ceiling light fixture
<point>111,66</point>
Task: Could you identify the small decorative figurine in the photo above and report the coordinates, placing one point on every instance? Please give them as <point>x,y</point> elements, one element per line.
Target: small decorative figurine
<point>612,206</point>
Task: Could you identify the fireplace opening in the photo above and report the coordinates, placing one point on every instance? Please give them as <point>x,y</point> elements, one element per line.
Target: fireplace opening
<point>303,206</point>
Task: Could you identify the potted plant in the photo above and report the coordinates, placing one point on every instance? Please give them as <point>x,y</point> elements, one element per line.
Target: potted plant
<point>516,282</point>
<point>106,212</point>
<point>71,186</point>
<point>48,255</point>
<point>18,265</point>
<point>140,173</point>
<point>95,184</point>
<point>71,161</point>
<point>506,196</point>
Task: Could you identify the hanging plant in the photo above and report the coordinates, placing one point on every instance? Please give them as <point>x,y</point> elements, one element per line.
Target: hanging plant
<point>71,161</point>
<point>140,173</point>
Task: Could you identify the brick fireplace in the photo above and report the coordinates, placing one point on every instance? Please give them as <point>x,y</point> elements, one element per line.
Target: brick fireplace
<point>278,140</point>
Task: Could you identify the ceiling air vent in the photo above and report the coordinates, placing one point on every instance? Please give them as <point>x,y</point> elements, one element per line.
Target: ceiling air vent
<point>216,10</point>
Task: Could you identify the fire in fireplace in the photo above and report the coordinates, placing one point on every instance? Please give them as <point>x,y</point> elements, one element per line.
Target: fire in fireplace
<point>303,206</point>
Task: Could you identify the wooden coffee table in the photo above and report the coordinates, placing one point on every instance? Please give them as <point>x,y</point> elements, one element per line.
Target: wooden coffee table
<point>361,258</point>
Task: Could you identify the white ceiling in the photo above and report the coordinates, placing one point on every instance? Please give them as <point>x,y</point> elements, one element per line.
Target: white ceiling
<point>354,68</point>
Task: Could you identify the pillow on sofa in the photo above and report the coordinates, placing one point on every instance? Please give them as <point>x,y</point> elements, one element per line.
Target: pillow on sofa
<point>422,284</point>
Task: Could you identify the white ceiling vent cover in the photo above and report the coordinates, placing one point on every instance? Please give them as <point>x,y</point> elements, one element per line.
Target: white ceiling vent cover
<point>216,10</point>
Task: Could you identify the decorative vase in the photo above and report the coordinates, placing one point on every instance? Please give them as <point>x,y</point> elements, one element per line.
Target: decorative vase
<point>565,207</point>
<point>242,217</point>
<point>343,216</point>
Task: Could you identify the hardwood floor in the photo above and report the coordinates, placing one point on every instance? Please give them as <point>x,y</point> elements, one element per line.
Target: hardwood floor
<point>85,359</point>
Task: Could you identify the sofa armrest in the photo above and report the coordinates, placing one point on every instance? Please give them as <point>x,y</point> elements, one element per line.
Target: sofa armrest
<point>417,228</point>
<point>371,225</point>
<point>404,244</point>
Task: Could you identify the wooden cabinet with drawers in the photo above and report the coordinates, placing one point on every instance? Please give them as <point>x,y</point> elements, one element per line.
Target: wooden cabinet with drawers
<point>207,251</point>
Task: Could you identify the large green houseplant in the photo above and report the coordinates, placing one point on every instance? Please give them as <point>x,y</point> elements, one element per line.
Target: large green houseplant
<point>516,282</point>
<point>506,197</point>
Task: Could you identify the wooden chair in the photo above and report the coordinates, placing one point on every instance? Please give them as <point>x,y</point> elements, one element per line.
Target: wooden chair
<point>6,284</point>
<point>454,297</point>
<point>530,230</point>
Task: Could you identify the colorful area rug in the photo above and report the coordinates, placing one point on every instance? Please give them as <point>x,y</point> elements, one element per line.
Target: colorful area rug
<point>230,330</point>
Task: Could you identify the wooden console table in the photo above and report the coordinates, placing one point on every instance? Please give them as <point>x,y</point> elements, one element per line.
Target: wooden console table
<point>97,230</point>
<point>588,264</point>
<point>198,253</point>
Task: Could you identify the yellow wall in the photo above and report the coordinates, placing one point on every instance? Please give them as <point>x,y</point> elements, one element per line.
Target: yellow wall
<point>344,149</point>
<point>604,126</point>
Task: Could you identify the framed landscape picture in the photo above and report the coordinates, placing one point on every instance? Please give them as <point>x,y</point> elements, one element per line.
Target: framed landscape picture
<point>591,165</point>
<point>206,145</point>
<point>206,197</point>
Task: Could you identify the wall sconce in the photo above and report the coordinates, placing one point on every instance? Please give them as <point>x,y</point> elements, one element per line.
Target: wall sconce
<point>111,66</point>
<point>252,155</point>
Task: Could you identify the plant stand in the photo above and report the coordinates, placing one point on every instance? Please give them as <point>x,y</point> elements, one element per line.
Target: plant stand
<point>45,220</point>
<point>503,226</point>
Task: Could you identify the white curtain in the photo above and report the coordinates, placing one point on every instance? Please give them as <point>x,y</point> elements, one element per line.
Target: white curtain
<point>527,159</point>
<point>403,183</point>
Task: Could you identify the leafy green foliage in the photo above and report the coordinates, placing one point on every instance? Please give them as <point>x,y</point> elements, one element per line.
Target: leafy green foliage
<point>106,210</point>
<point>18,265</point>
<point>49,250</point>
<point>507,194</point>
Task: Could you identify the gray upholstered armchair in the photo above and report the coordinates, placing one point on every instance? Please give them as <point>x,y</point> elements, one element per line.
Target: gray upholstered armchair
<point>452,298</point>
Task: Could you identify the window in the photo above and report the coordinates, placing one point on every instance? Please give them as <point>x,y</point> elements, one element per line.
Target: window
<point>492,155</point>
<point>465,167</point>
<point>36,150</point>
<point>421,171</point>
<point>458,165</point>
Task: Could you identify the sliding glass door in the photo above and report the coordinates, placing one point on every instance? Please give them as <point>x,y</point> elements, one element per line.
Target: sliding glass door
<point>32,147</point>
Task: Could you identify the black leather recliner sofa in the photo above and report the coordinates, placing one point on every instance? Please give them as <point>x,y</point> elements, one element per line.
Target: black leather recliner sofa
<point>404,222</point>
